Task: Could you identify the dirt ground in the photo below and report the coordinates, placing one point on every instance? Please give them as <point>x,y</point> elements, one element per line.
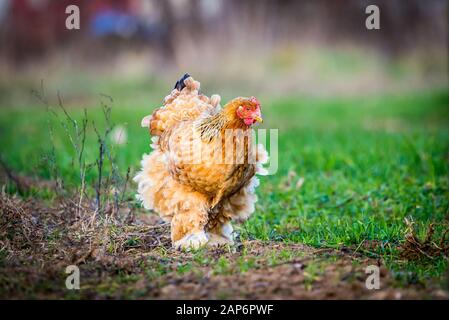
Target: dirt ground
<point>126,255</point>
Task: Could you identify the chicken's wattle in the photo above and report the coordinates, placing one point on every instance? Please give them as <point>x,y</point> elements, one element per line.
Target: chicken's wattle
<point>249,121</point>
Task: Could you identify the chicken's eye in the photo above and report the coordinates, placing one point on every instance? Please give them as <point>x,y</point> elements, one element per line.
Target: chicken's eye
<point>247,108</point>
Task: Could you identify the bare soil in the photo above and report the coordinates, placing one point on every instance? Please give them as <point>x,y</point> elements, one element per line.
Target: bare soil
<point>127,255</point>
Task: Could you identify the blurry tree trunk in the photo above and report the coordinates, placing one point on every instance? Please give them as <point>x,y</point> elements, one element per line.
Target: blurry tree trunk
<point>196,19</point>
<point>169,34</point>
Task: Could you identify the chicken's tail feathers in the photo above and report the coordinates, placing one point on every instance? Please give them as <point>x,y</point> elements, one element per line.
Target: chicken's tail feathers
<point>179,85</point>
<point>183,103</point>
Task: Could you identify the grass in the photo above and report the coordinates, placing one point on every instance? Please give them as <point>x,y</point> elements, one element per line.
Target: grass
<point>366,164</point>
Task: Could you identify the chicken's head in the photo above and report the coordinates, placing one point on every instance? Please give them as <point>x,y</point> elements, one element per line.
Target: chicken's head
<point>249,111</point>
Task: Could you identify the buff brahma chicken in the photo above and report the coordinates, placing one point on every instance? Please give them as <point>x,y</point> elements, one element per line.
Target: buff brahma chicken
<point>201,172</point>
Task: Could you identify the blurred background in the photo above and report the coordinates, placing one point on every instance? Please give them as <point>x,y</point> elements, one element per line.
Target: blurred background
<point>313,64</point>
<point>263,47</point>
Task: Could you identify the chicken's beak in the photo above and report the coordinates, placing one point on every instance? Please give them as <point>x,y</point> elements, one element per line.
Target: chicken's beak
<point>258,119</point>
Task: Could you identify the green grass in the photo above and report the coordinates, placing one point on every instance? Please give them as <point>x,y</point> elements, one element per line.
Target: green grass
<point>367,163</point>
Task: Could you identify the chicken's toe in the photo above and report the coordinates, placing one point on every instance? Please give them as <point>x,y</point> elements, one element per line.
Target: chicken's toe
<point>216,240</point>
<point>192,241</point>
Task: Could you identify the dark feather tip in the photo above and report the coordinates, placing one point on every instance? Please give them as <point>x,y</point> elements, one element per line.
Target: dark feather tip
<point>180,83</point>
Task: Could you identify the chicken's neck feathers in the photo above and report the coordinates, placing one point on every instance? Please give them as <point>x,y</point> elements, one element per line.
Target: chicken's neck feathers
<point>211,126</point>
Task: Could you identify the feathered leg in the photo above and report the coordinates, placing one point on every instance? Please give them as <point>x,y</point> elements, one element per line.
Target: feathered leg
<point>237,207</point>
<point>221,234</point>
<point>185,208</point>
<point>188,224</point>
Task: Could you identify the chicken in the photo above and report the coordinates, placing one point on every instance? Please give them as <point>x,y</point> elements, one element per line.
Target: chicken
<point>201,172</point>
